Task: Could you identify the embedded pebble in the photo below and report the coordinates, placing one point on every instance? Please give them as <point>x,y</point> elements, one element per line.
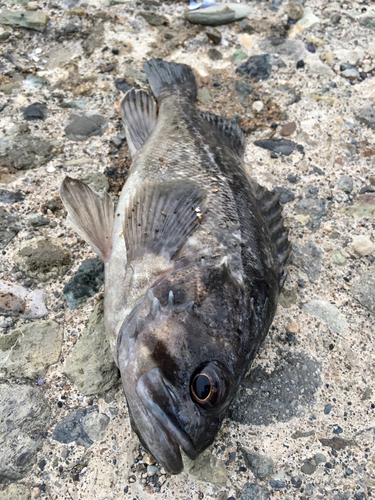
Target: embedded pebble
<point>362,245</point>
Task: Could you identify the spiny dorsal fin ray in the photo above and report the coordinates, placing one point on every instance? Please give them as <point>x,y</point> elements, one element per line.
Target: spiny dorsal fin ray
<point>90,213</point>
<point>272,211</point>
<point>161,217</point>
<point>138,111</point>
<point>229,130</point>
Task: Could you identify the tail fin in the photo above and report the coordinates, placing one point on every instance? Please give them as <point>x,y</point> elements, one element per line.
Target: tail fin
<point>163,75</point>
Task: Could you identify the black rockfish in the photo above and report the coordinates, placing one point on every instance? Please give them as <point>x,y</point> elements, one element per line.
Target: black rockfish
<point>194,262</point>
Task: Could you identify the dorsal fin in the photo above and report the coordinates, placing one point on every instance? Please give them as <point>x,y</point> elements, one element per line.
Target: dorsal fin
<point>272,211</point>
<point>138,111</point>
<point>229,130</point>
<point>90,213</point>
<point>160,218</point>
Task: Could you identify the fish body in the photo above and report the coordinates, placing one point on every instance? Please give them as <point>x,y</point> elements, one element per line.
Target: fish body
<point>194,262</point>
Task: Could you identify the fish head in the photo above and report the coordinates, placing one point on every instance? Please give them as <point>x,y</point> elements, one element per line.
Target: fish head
<point>181,362</point>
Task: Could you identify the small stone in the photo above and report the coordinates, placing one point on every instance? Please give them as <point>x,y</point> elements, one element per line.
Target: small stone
<point>10,196</point>
<point>308,258</point>
<point>367,116</point>
<point>292,178</point>
<point>204,96</point>
<point>207,468</point>
<point>10,225</point>
<point>296,482</point>
<point>90,366</point>
<point>346,184</point>
<point>319,458</point>
<point>123,85</point>
<point>283,146</point>
<point>23,19</point>
<point>238,56</point>
<point>350,74</point>
<point>367,22</point>
<point>288,129</point>
<point>288,297</point>
<point>261,465</point>
<point>153,19</point>
<point>253,491</point>
<point>292,327</point>
<point>214,35</point>
<point>256,67</point>
<point>38,221</point>
<point>309,468</point>
<point>329,314</point>
<point>243,90</point>
<point>367,189</point>
<point>365,206</point>
<point>9,88</point>
<point>313,209</point>
<point>364,291</point>
<point>367,393</point>
<point>151,470</point>
<point>219,14</point>
<point>81,127</point>
<point>300,64</point>
<point>95,425</point>
<point>86,282</point>
<point>96,181</point>
<point>294,11</point>
<point>335,18</point>
<point>29,350</point>
<point>337,430</point>
<point>308,20</point>
<point>258,106</point>
<point>214,54</point>
<point>339,258</point>
<point>277,484</point>
<point>327,409</point>
<point>25,415</point>
<point>36,111</point>
<point>15,300</point>
<point>362,245</point>
<point>286,195</point>
<point>337,443</point>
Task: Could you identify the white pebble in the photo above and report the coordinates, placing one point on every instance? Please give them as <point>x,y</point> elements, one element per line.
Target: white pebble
<point>258,106</point>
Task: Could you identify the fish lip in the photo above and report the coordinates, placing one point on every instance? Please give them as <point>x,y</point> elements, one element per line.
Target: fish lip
<point>150,384</point>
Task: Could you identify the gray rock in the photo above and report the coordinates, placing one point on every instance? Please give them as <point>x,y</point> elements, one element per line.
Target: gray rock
<point>43,258</point>
<point>97,181</point>
<point>38,221</point>
<point>290,49</point>
<point>24,416</point>
<point>86,282</point>
<point>82,126</point>
<point>288,297</point>
<point>286,195</point>
<point>243,90</point>
<point>257,67</point>
<point>367,116</point>
<point>15,300</point>
<point>319,458</point>
<point>10,88</point>
<point>26,151</point>
<point>282,146</point>
<point>222,13</point>
<point>346,184</point>
<point>328,313</point>
<point>15,492</point>
<point>10,225</point>
<point>73,104</point>
<point>213,35</point>
<point>350,74</point>
<point>75,427</point>
<point>368,22</point>
<point>10,196</point>
<point>261,465</point>
<point>207,468</point>
<point>33,82</point>
<point>204,96</point>
<point>153,19</point>
<point>309,467</point>
<point>29,350</point>
<point>253,491</point>
<point>94,40</point>
<point>279,396</point>
<point>90,365</point>
<point>294,11</point>
<point>364,291</point>
<point>314,208</point>
<point>308,258</point>
<point>36,111</point>
<point>24,19</point>
<point>339,258</point>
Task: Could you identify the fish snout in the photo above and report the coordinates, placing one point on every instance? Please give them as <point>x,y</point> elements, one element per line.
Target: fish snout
<point>159,400</point>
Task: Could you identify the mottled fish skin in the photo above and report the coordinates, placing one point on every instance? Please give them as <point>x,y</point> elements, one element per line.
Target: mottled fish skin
<point>206,308</point>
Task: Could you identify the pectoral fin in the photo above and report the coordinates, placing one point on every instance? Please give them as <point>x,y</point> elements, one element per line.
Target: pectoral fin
<point>90,213</point>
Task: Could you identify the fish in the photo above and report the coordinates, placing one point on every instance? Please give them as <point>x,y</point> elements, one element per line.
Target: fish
<point>195,255</point>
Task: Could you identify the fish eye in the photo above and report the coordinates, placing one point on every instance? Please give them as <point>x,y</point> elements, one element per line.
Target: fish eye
<point>208,385</point>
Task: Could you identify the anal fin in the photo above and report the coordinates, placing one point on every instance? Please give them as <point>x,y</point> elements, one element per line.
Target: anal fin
<point>90,213</point>
<point>138,111</point>
<point>161,217</point>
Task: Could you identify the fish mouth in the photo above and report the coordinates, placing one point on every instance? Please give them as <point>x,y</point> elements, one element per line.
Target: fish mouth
<point>159,400</point>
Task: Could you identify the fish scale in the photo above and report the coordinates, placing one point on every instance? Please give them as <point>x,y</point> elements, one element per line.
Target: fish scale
<point>195,257</point>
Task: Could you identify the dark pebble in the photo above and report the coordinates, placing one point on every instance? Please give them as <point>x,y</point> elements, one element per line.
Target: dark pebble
<point>327,409</point>
<point>115,51</point>
<point>274,155</point>
<point>59,404</point>
<point>318,170</point>
<point>214,35</point>
<point>296,482</point>
<point>286,195</point>
<point>122,84</point>
<point>36,111</point>
<point>10,196</point>
<point>70,28</point>
<point>338,430</point>
<point>42,464</point>
<point>291,338</point>
<point>283,146</point>
<point>360,496</point>
<point>311,48</point>
<point>214,54</point>
<point>85,283</point>
<point>301,283</point>
<point>292,178</point>
<point>277,484</point>
<point>112,173</point>
<point>349,472</point>
<point>345,66</point>
<point>300,149</point>
<point>243,90</point>
<point>328,465</point>
<point>333,85</point>
<point>335,18</point>
<point>256,67</point>
<point>367,189</point>
<point>300,64</point>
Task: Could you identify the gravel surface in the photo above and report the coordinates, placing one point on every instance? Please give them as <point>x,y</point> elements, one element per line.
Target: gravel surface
<point>299,80</point>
